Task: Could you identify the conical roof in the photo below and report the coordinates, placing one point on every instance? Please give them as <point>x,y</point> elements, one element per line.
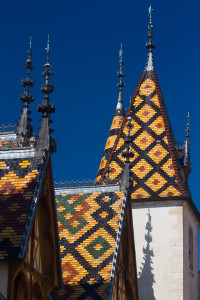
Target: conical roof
<point>154,167</point>
<point>116,122</point>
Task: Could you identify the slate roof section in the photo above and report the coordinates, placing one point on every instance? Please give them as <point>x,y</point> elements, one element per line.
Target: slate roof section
<point>19,181</point>
<point>90,228</point>
<point>154,167</point>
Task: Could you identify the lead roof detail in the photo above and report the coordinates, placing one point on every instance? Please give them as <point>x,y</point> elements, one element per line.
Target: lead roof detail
<point>89,229</point>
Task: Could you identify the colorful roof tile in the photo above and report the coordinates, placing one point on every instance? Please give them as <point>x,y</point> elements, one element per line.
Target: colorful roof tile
<point>154,167</point>
<point>19,180</point>
<point>89,231</point>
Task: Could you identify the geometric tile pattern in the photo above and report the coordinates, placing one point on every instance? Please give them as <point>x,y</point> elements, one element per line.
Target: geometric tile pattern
<point>18,178</point>
<point>114,130</point>
<point>88,226</point>
<point>154,168</point>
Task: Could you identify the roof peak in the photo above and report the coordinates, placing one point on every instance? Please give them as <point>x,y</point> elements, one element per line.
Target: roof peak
<point>150,44</point>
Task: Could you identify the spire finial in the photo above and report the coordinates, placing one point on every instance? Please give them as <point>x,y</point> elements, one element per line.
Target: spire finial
<point>30,47</point>
<point>150,45</point>
<point>46,108</point>
<point>119,108</point>
<point>48,49</point>
<point>24,127</point>
<point>187,141</point>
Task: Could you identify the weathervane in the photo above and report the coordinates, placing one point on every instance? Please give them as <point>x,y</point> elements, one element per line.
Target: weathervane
<point>150,45</point>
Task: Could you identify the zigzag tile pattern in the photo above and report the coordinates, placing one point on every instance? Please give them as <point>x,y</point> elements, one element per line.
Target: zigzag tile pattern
<point>18,178</point>
<point>154,166</point>
<point>88,226</point>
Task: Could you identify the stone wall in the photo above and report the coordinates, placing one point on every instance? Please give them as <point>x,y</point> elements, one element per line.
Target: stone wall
<point>158,230</point>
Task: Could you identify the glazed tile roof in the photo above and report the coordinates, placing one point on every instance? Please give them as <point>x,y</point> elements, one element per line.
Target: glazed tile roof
<point>18,184</point>
<point>89,228</point>
<point>114,131</point>
<point>154,167</point>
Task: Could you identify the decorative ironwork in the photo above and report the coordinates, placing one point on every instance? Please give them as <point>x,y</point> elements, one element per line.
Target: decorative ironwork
<point>8,128</point>
<point>45,140</point>
<point>72,183</point>
<point>180,145</point>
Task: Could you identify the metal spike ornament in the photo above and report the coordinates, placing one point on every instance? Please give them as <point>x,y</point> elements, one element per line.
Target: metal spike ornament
<point>120,74</point>
<point>150,45</point>
<point>187,142</point>
<point>46,108</point>
<point>24,127</point>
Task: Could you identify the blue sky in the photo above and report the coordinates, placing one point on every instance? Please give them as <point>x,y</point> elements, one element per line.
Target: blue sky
<point>85,40</point>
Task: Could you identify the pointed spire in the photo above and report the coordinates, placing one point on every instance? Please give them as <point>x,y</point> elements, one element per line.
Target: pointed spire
<point>46,108</point>
<point>187,142</point>
<point>24,127</point>
<point>119,108</point>
<point>150,45</point>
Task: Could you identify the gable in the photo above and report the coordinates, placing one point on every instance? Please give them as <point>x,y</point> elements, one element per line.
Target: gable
<point>43,249</point>
<point>18,183</point>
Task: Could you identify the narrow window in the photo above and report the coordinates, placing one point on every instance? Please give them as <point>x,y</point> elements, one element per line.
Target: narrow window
<point>190,249</point>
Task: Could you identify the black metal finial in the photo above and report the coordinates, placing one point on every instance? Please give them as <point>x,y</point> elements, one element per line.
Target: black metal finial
<point>187,141</point>
<point>188,127</point>
<point>46,108</point>
<point>150,45</point>
<point>120,74</point>
<point>24,127</point>
<point>27,83</point>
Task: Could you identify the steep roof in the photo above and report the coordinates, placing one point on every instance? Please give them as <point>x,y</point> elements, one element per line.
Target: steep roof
<point>19,182</point>
<point>154,167</point>
<point>90,226</point>
<point>117,120</point>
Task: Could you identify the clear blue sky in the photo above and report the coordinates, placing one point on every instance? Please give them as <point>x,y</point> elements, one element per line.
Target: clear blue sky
<point>85,39</point>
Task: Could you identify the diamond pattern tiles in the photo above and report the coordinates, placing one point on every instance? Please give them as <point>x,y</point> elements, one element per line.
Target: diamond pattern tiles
<point>88,226</point>
<point>114,130</point>
<point>18,178</point>
<point>154,166</point>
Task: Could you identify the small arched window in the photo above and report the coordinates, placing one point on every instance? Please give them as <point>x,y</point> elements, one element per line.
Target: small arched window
<point>190,249</point>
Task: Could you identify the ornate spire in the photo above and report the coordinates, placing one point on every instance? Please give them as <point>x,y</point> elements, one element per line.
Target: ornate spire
<point>119,108</point>
<point>187,142</point>
<point>46,108</point>
<point>24,127</point>
<point>150,45</point>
